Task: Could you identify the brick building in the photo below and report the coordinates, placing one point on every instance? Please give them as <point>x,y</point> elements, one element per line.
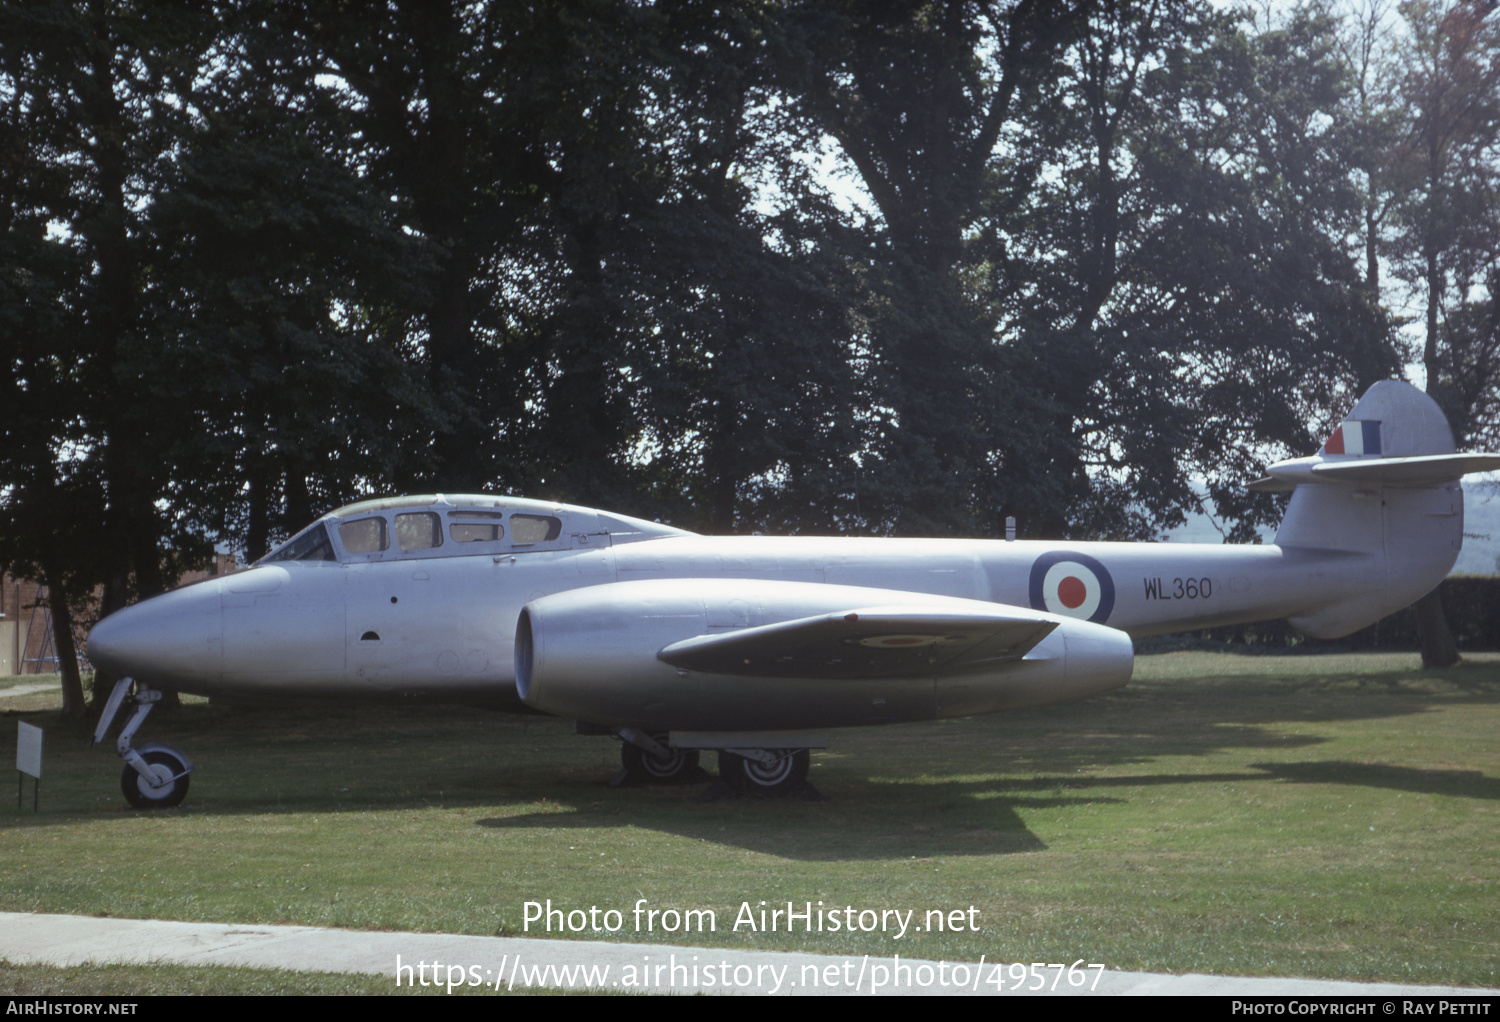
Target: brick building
<point>26,645</point>
<point>20,636</point>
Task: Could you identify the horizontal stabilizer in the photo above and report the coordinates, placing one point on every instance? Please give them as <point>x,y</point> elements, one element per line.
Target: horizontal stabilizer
<point>1420,470</point>
<point>1425,470</point>
<point>869,642</point>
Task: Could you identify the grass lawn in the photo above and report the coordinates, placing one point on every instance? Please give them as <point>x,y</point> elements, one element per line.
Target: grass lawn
<point>1331,816</point>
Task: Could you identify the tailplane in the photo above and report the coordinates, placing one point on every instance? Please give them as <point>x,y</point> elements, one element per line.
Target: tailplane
<point>1385,486</point>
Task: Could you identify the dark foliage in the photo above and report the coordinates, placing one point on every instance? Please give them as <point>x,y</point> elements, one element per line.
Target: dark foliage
<point>259,259</point>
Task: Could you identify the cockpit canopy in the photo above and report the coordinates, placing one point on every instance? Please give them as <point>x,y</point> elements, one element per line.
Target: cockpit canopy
<point>454,526</point>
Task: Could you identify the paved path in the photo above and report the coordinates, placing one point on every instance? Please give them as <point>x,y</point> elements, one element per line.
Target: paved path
<point>26,690</point>
<point>436,958</point>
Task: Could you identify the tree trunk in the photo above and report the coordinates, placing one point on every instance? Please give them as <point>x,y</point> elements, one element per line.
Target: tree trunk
<point>258,531</point>
<point>1434,637</point>
<point>1433,634</point>
<point>74,705</point>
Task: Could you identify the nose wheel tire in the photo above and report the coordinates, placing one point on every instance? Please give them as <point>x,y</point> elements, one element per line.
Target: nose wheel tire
<point>643,766</point>
<point>755,778</point>
<point>165,767</point>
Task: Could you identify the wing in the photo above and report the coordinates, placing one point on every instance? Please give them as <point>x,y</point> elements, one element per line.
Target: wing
<point>866,642</point>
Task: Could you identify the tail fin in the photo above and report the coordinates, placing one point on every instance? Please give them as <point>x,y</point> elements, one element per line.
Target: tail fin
<point>1385,486</point>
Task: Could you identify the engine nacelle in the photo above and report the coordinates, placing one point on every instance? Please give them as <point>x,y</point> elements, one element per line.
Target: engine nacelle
<point>591,654</point>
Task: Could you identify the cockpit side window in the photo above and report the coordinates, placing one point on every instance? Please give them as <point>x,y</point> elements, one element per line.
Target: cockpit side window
<point>312,545</point>
<point>482,526</point>
<point>419,530</point>
<point>469,532</point>
<point>364,535</point>
<point>474,532</point>
<point>534,528</point>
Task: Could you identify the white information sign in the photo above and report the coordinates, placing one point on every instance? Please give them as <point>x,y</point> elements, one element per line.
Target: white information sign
<point>29,750</point>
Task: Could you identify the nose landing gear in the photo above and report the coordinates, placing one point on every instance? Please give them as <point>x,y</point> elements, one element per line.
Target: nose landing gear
<point>155,776</point>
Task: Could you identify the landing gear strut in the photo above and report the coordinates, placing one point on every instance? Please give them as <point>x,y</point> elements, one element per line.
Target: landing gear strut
<point>155,776</point>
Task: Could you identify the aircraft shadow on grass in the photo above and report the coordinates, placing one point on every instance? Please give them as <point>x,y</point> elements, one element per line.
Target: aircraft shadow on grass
<point>1454,783</point>
<point>818,832</point>
<point>879,820</point>
<point>928,814</point>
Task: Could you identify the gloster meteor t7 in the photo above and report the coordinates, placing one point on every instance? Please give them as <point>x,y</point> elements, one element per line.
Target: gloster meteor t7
<point>758,647</point>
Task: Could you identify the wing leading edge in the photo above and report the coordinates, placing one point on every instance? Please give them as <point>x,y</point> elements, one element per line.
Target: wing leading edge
<point>865,642</point>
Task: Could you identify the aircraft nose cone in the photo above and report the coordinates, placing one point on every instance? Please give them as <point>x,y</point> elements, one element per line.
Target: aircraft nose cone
<point>175,639</point>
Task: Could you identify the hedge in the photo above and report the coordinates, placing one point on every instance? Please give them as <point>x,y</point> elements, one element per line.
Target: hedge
<point>1472,603</point>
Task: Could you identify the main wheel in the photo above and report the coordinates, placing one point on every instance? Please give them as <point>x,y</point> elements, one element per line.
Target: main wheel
<point>165,766</point>
<point>645,767</point>
<point>754,777</point>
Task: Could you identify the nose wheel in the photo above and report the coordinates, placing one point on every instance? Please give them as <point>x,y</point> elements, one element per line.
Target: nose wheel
<point>155,776</point>
<point>167,786</point>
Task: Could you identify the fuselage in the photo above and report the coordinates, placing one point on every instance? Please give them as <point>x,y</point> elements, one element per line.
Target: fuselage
<point>421,596</point>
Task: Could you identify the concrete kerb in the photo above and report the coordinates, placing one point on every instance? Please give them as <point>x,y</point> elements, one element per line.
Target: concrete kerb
<point>520,962</point>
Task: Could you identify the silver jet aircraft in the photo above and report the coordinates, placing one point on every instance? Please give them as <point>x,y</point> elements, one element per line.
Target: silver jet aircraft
<point>756,646</point>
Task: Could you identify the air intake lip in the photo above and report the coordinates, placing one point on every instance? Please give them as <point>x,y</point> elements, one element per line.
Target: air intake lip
<point>523,655</point>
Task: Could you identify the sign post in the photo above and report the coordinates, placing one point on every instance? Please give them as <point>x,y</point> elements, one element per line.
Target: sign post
<point>28,761</point>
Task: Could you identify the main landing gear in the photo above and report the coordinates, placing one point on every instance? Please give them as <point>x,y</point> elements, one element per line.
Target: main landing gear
<point>650,759</point>
<point>764,771</point>
<point>660,765</point>
<point>155,776</point>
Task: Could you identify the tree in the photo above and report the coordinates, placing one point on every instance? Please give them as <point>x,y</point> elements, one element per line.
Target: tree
<point>1246,284</point>
<point>1110,252</point>
<point>89,119</point>
<point>744,385</point>
<point>1448,242</point>
<point>282,257</point>
<point>918,97</point>
<point>282,297</point>
<point>49,509</point>
<point>447,99</point>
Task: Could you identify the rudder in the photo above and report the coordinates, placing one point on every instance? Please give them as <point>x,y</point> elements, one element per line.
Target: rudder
<point>1377,489</point>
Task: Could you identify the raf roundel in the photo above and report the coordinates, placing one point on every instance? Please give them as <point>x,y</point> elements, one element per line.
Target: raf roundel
<point>1072,585</point>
